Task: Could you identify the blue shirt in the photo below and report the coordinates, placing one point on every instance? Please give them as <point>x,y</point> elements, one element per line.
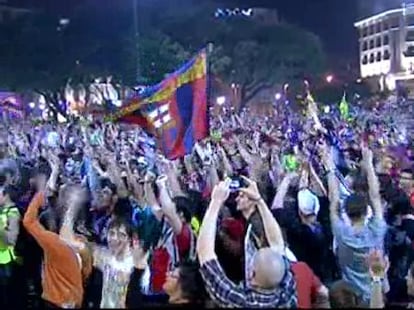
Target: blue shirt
<point>354,246</point>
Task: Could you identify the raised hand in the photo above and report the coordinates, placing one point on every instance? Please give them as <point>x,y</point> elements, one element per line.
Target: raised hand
<point>162,181</point>
<point>377,264</point>
<point>251,191</point>
<point>367,155</point>
<point>140,257</point>
<point>221,191</point>
<point>326,155</point>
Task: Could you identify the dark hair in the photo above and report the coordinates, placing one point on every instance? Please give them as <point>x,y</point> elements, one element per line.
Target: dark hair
<point>360,182</point>
<point>118,222</point>
<point>183,205</point>
<point>107,183</point>
<point>401,204</point>
<point>198,204</point>
<point>191,282</point>
<point>356,206</point>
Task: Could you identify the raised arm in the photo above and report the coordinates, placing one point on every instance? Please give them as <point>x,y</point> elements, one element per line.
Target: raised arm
<point>208,229</point>
<point>333,185</point>
<point>282,191</point>
<point>46,239</point>
<point>373,184</point>
<point>149,196</point>
<point>224,292</point>
<point>271,227</point>
<point>168,206</point>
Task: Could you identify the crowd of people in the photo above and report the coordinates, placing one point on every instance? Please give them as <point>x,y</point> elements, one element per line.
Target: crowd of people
<point>285,210</point>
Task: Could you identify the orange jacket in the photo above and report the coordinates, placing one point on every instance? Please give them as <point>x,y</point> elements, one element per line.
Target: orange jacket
<point>62,277</point>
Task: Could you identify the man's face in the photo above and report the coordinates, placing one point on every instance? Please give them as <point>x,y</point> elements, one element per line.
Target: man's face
<point>118,239</point>
<point>105,198</point>
<point>244,204</point>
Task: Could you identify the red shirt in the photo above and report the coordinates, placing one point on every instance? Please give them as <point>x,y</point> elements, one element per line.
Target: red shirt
<point>161,259</point>
<point>307,284</point>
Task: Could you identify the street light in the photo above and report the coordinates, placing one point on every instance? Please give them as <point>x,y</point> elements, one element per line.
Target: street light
<point>329,78</point>
<point>64,21</point>
<point>221,100</point>
<point>32,105</point>
<point>278,96</point>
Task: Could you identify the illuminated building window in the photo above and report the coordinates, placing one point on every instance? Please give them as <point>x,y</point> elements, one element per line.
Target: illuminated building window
<point>410,20</point>
<point>409,52</point>
<point>394,22</point>
<point>364,60</point>
<point>410,36</point>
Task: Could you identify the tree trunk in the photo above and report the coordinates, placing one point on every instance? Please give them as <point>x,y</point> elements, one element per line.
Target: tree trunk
<point>248,93</point>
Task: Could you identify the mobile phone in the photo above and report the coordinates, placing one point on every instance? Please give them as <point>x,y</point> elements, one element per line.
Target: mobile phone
<point>236,183</point>
<point>142,161</point>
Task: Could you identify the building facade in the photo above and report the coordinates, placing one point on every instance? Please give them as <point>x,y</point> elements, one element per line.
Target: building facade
<point>386,46</point>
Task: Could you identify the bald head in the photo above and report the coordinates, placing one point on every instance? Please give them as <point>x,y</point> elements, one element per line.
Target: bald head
<point>269,268</point>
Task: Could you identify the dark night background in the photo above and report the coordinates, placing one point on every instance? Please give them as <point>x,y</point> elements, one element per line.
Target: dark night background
<point>332,20</point>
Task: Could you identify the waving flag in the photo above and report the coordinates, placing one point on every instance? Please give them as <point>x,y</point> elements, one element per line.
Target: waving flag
<point>175,110</point>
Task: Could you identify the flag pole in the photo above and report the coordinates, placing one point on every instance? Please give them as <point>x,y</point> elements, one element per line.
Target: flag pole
<point>210,48</point>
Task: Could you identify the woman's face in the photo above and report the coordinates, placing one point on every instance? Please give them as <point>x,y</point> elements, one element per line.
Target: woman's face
<point>172,282</point>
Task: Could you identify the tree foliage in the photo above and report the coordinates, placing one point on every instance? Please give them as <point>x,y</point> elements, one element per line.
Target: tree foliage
<point>39,53</point>
<point>253,54</point>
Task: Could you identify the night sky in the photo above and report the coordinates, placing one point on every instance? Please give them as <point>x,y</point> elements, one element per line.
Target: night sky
<point>332,20</point>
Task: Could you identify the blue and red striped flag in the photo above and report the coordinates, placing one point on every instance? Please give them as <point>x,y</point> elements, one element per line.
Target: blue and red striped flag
<point>175,110</point>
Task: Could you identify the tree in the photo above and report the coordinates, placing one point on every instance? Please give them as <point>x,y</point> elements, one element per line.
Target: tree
<point>255,55</point>
<point>41,54</point>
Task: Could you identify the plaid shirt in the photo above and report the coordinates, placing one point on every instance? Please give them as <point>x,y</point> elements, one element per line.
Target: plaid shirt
<point>226,294</point>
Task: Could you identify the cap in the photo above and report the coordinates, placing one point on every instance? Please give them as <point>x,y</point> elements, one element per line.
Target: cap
<point>308,202</point>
